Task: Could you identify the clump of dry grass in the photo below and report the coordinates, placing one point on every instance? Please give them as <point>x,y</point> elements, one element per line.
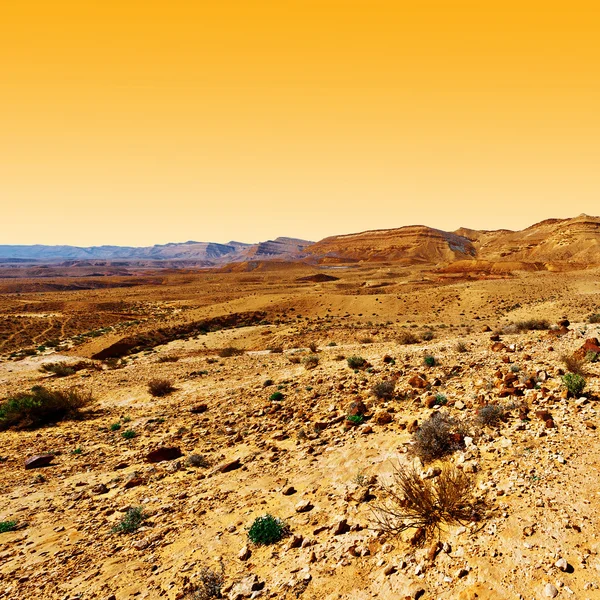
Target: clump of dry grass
<point>574,364</point>
<point>310,361</point>
<point>230,351</point>
<point>408,337</point>
<point>160,387</point>
<point>438,436</point>
<point>425,505</point>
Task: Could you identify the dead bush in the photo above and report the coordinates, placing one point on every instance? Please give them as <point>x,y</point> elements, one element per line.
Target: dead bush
<point>425,505</point>
<point>461,347</point>
<point>160,387</point>
<point>490,415</point>
<point>408,337</point>
<point>438,436</point>
<point>384,390</point>
<point>210,583</point>
<point>574,364</point>
<point>230,351</point>
<point>310,361</point>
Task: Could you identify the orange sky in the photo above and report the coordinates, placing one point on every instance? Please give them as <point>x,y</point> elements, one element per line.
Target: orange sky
<point>144,121</point>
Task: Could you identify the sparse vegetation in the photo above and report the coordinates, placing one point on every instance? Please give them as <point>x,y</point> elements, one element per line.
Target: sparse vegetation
<point>6,526</point>
<point>266,530</point>
<point>384,390</point>
<point>356,362</point>
<point>441,400</point>
<point>366,340</point>
<point>574,364</point>
<point>41,406</point>
<point>429,361</point>
<point>160,387</point>
<point>115,427</point>
<point>574,383</point>
<point>129,434</point>
<point>276,396</point>
<point>461,347</point>
<point>310,361</point>
<point>313,347</point>
<point>210,584</point>
<point>230,351</point>
<point>425,506</point>
<point>131,522</point>
<point>490,415</point>
<point>427,335</point>
<point>408,337</point>
<point>594,318</point>
<point>197,460</point>
<point>167,358</point>
<point>438,436</point>
<point>356,419</point>
<point>527,325</point>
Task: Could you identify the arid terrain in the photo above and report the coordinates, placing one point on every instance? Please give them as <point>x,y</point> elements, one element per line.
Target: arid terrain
<point>257,422</point>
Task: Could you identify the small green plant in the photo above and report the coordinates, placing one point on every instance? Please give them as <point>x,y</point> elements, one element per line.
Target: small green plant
<point>515,368</point>
<point>356,419</point>
<point>441,400</point>
<point>115,427</point>
<point>574,383</point>
<point>275,396</point>
<point>592,356</point>
<point>129,434</point>
<point>332,344</point>
<point>429,361</point>
<point>77,451</point>
<point>132,520</point>
<point>6,526</point>
<point>356,362</point>
<point>126,419</point>
<point>266,530</point>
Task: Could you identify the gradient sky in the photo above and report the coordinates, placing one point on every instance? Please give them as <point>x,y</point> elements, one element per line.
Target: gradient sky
<point>136,122</point>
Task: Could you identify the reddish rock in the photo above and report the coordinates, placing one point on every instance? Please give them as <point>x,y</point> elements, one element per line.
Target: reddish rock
<point>412,427</point>
<point>199,409</point>
<point>134,482</point>
<point>498,347</point>
<point>230,465</point>
<point>382,417</point>
<point>357,407</point>
<point>543,415</point>
<point>550,424</point>
<point>41,460</point>
<point>163,453</point>
<point>505,392</point>
<point>429,402</point>
<point>417,382</point>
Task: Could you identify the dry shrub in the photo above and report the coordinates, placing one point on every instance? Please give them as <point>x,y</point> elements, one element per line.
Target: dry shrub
<point>160,387</point>
<point>426,505</point>
<point>527,325</point>
<point>41,406</point>
<point>63,369</point>
<point>313,347</point>
<point>427,335</point>
<point>490,415</point>
<point>209,584</point>
<point>276,349</point>
<point>574,364</point>
<point>461,347</point>
<point>438,436</point>
<point>230,351</point>
<point>167,358</point>
<point>310,361</point>
<point>384,390</point>
<point>408,337</point>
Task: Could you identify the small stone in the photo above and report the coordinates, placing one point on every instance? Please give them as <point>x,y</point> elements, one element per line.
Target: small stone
<point>245,553</point>
<point>459,405</point>
<point>389,570</point>
<point>341,527</point>
<point>99,489</point>
<point>303,506</point>
<point>163,453</point>
<point>561,564</point>
<point>199,409</point>
<point>288,490</point>
<point>550,591</point>
<point>230,465</point>
<point>41,460</point>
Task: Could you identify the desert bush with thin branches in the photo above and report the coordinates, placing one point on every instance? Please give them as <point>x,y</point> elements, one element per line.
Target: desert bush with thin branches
<point>574,364</point>
<point>411,502</point>
<point>438,436</point>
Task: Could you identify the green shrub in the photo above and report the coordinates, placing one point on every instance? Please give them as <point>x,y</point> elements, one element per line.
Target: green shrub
<point>132,520</point>
<point>441,400</point>
<point>429,361</point>
<point>275,396</point>
<point>6,526</point>
<point>357,419</point>
<point>41,406</point>
<point>129,434</point>
<point>356,362</point>
<point>266,530</point>
<point>574,383</point>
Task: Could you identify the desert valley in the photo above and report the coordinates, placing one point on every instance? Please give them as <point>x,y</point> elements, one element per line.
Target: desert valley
<point>402,413</point>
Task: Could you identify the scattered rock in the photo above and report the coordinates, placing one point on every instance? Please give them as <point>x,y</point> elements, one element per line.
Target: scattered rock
<point>41,460</point>
<point>163,453</point>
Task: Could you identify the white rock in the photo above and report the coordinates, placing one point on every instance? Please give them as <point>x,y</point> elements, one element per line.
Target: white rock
<point>550,591</point>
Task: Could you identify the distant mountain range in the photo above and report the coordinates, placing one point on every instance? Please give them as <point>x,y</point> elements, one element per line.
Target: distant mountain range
<point>553,243</point>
